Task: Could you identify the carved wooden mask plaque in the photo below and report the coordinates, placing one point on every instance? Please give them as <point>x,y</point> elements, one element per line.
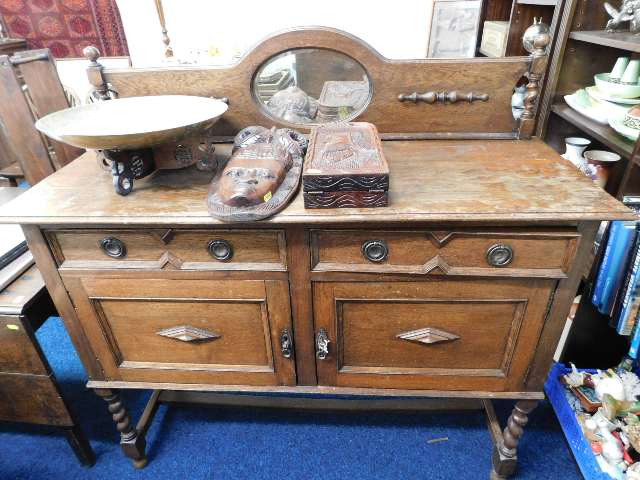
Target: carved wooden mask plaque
<point>260,177</point>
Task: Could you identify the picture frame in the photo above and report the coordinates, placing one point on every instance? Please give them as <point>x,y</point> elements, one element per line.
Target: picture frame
<point>454,28</point>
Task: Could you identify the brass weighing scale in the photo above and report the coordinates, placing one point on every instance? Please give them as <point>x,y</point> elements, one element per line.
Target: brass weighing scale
<point>138,135</point>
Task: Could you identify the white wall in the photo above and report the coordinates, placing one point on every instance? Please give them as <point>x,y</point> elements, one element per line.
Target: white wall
<point>397,29</point>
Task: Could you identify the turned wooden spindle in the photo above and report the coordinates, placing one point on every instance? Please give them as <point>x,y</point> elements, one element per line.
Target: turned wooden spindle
<point>133,444</point>
<point>100,89</point>
<point>505,453</point>
<point>168,51</point>
<point>537,68</point>
<point>443,97</point>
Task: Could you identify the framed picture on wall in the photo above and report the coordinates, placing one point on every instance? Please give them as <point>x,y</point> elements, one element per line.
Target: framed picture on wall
<point>454,28</point>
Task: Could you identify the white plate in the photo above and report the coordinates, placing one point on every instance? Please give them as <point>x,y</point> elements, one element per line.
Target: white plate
<point>598,111</point>
<point>622,129</point>
<point>598,95</point>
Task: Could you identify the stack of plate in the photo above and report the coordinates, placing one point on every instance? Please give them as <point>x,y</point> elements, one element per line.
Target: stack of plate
<point>610,103</point>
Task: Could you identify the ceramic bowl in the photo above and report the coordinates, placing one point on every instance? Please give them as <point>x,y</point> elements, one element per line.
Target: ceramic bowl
<point>620,90</point>
<point>600,163</point>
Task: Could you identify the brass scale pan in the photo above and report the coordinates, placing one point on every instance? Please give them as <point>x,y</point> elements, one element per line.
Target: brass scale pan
<point>126,129</point>
<point>132,123</point>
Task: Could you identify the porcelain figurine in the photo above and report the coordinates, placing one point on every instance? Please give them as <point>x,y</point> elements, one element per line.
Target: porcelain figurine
<point>612,408</point>
<point>603,383</point>
<point>575,378</point>
<point>629,12</point>
<point>612,450</point>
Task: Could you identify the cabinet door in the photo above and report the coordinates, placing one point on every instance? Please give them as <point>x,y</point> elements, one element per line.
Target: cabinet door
<point>444,334</point>
<point>186,331</point>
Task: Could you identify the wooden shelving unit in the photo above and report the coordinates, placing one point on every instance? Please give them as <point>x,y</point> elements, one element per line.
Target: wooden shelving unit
<point>582,49</point>
<point>603,133</point>
<point>622,40</point>
<point>519,14</point>
<point>537,2</point>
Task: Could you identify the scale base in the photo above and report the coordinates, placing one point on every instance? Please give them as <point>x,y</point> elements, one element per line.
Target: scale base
<point>129,165</point>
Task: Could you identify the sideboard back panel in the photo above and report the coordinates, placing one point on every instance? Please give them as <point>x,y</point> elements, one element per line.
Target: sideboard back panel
<point>390,78</point>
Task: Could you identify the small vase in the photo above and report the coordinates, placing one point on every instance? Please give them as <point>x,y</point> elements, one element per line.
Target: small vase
<point>600,163</point>
<point>575,147</point>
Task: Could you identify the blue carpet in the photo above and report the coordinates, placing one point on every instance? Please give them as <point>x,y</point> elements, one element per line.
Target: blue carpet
<point>226,443</point>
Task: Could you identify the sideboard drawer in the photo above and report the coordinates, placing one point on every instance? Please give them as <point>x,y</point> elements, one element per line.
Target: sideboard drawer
<point>468,334</point>
<point>170,248</point>
<point>191,331</point>
<point>505,252</point>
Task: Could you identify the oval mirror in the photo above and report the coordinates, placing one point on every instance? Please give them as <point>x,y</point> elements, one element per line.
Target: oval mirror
<point>311,85</point>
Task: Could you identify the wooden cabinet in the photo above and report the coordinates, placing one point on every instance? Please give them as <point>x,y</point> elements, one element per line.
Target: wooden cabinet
<point>193,331</point>
<point>447,292</point>
<point>436,334</point>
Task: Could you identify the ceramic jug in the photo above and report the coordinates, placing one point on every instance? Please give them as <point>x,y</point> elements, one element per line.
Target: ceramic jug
<point>575,146</point>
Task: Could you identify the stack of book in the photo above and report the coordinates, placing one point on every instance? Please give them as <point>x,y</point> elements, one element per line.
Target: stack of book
<point>616,290</point>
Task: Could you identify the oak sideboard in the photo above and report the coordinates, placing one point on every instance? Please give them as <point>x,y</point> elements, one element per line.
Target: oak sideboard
<point>458,289</point>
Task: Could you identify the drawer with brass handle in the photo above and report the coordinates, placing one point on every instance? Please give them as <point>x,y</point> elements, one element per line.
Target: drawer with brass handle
<point>181,249</point>
<point>499,252</point>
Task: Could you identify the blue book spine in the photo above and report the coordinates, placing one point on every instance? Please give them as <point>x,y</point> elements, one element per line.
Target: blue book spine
<point>617,261</point>
<point>635,341</point>
<point>630,293</point>
<point>604,264</point>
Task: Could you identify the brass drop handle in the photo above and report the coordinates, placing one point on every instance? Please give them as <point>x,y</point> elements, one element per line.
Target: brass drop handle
<point>286,343</point>
<point>443,97</point>
<point>375,250</point>
<point>113,247</point>
<point>499,255</point>
<point>322,344</point>
<point>221,250</point>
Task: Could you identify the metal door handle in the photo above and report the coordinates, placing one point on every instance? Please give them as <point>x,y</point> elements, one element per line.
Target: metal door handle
<point>286,343</point>
<point>322,344</point>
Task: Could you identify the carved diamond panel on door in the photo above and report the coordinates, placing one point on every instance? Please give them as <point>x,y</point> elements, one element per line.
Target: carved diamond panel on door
<point>192,331</point>
<point>449,335</point>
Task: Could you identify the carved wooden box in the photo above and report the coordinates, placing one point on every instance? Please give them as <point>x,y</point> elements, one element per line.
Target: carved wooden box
<point>345,167</point>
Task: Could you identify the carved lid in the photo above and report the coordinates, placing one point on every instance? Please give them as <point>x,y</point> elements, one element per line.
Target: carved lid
<point>345,149</point>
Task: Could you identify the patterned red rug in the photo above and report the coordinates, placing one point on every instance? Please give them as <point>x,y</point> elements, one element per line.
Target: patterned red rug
<point>66,26</point>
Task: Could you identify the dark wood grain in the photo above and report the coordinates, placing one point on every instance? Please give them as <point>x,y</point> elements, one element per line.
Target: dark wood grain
<point>171,249</point>
<point>32,398</point>
<point>388,77</point>
<point>18,128</point>
<point>47,94</point>
<point>49,271</point>
<point>246,317</point>
<point>437,181</point>
<point>363,321</point>
<point>317,390</point>
<point>445,252</point>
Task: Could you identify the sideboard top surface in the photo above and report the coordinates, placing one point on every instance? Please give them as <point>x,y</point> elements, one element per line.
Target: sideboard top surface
<point>431,181</point>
